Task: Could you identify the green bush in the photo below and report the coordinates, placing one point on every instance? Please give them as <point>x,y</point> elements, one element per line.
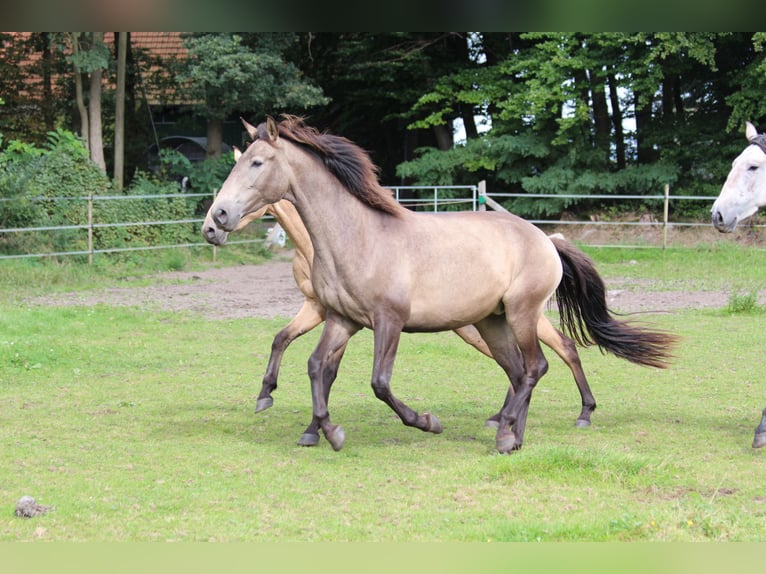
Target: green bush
<point>48,186</point>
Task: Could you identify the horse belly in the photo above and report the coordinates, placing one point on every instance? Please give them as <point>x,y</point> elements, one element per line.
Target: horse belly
<point>459,300</point>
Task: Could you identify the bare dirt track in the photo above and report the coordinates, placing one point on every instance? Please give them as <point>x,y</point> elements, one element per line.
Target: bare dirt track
<point>269,290</point>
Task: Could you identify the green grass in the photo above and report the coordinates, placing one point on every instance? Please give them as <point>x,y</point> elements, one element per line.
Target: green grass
<point>139,426</point>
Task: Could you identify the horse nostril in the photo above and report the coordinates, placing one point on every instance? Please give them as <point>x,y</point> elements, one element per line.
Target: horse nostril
<point>221,217</point>
<point>717,218</point>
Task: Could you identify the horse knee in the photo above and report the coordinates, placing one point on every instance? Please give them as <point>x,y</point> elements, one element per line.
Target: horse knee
<point>380,388</point>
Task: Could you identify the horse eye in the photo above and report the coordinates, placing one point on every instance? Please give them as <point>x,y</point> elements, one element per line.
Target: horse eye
<point>257,163</point>
<point>752,168</point>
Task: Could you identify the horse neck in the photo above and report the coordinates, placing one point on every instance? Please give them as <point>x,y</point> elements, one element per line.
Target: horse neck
<point>287,216</point>
<point>332,216</point>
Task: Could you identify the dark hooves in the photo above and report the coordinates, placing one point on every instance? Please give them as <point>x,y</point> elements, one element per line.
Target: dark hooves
<point>263,404</point>
<point>308,439</point>
<point>759,440</point>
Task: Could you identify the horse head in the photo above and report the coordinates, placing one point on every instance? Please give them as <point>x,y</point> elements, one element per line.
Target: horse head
<point>744,190</point>
<point>259,177</point>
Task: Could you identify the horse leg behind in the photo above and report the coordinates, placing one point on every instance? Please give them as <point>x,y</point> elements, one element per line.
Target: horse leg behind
<point>309,316</point>
<point>759,439</point>
<point>565,348</point>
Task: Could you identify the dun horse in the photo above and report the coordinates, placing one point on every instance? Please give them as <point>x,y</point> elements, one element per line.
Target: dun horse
<point>743,192</point>
<point>312,313</point>
<point>380,266</point>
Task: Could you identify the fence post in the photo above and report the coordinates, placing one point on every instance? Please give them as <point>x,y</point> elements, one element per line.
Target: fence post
<point>90,229</point>
<point>483,195</point>
<point>665,217</point>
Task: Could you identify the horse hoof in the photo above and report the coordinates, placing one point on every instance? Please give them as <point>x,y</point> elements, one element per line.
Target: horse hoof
<point>759,440</point>
<point>506,443</point>
<point>263,404</point>
<point>336,437</point>
<point>492,424</point>
<point>433,424</point>
<point>308,439</point>
<point>582,423</point>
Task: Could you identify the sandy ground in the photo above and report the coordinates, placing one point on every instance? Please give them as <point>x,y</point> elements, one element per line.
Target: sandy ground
<point>269,290</point>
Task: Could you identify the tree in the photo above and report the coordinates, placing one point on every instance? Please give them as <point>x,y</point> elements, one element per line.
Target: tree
<point>119,112</point>
<point>594,113</point>
<point>231,77</point>
<point>90,57</point>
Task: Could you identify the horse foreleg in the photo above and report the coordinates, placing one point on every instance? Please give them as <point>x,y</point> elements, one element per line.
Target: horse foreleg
<point>387,333</point>
<point>336,333</point>
<point>759,439</point>
<point>565,348</point>
<point>310,436</point>
<point>309,316</point>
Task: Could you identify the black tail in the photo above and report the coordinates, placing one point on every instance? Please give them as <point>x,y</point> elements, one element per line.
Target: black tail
<point>581,298</point>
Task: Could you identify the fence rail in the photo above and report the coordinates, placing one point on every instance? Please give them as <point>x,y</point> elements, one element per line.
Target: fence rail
<point>430,198</point>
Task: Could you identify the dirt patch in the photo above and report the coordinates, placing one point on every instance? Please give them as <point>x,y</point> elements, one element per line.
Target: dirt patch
<point>264,291</point>
<point>269,290</point>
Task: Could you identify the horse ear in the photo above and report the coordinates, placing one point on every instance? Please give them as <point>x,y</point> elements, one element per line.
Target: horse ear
<point>272,129</point>
<point>237,153</point>
<point>750,132</point>
<point>251,130</point>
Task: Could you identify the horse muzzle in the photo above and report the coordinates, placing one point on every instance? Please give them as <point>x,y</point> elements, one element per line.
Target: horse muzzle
<point>214,235</point>
<point>721,224</point>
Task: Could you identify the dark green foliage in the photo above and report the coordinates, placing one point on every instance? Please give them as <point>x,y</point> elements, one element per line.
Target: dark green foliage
<point>49,187</point>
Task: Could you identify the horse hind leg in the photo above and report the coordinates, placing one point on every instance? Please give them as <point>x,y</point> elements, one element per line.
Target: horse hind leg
<point>565,348</point>
<point>510,425</point>
<point>759,439</point>
<point>309,316</point>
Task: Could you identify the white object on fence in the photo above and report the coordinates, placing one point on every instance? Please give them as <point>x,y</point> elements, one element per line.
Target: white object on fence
<point>276,236</point>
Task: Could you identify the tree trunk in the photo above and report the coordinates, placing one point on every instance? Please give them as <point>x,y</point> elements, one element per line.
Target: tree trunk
<point>443,135</point>
<point>645,153</point>
<point>214,138</point>
<point>94,108</point>
<point>48,113</point>
<point>601,115</point>
<point>83,111</point>
<point>619,136</point>
<point>119,112</point>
